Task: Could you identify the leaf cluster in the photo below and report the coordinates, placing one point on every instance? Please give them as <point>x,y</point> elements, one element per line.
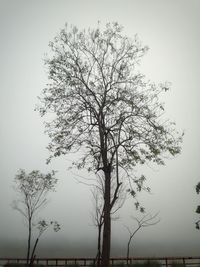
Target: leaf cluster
<point>32,189</point>
<point>43,225</point>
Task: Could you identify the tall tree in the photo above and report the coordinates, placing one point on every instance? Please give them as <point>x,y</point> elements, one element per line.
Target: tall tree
<point>105,109</point>
<point>33,188</point>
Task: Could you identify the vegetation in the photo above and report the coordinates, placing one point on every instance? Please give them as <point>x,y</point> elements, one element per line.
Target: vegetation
<point>22,265</point>
<point>34,265</point>
<point>105,108</point>
<point>148,263</point>
<point>177,264</point>
<point>32,189</point>
<point>146,221</point>
<point>197,223</point>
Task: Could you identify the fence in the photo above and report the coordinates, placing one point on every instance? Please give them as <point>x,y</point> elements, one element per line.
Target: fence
<point>57,262</point>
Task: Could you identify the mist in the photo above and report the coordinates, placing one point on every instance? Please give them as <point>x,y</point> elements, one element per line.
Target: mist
<point>171,30</point>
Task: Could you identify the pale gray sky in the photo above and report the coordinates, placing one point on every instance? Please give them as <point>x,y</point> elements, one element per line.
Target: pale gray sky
<point>171,30</point>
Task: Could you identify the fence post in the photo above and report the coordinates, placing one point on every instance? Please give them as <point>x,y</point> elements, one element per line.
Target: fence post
<point>166,262</point>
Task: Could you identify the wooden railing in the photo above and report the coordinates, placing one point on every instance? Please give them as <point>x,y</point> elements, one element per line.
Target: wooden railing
<point>164,261</point>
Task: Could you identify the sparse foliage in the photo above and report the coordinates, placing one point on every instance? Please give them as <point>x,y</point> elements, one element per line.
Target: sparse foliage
<point>197,223</point>
<point>32,189</point>
<point>42,226</point>
<point>105,109</point>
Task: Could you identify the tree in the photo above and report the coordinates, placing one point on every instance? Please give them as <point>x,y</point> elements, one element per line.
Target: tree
<point>197,223</point>
<point>33,188</point>
<point>42,226</point>
<point>145,221</point>
<point>105,109</point>
<point>98,221</point>
<point>98,216</point>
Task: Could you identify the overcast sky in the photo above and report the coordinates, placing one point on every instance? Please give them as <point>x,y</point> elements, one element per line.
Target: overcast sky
<point>171,30</point>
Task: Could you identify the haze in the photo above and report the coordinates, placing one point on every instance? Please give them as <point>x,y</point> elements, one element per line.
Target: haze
<point>171,30</point>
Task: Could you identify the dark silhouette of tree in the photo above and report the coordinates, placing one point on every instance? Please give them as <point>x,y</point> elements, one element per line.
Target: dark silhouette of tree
<point>32,189</point>
<point>145,221</point>
<point>104,108</point>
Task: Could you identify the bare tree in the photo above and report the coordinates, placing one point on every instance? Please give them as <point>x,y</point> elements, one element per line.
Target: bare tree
<point>98,219</point>
<point>105,109</point>
<point>32,189</point>
<point>145,221</point>
<point>98,216</point>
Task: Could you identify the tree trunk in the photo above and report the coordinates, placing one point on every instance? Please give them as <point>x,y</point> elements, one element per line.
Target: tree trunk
<point>128,249</point>
<point>29,242</point>
<point>99,245</point>
<point>33,253</point>
<point>107,223</point>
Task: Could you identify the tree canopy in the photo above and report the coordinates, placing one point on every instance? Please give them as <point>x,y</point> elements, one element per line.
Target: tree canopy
<point>32,189</point>
<point>95,91</point>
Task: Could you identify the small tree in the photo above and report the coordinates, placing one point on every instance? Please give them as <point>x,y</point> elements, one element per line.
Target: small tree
<point>32,189</point>
<point>98,216</point>
<point>105,108</point>
<point>98,220</point>
<point>145,221</point>
<point>197,223</point>
<point>42,226</point>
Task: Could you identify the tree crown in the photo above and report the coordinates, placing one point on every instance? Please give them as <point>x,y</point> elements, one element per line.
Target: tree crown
<point>102,104</point>
<point>32,188</point>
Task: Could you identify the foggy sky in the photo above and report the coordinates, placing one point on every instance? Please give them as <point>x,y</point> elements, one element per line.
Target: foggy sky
<point>171,30</point>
